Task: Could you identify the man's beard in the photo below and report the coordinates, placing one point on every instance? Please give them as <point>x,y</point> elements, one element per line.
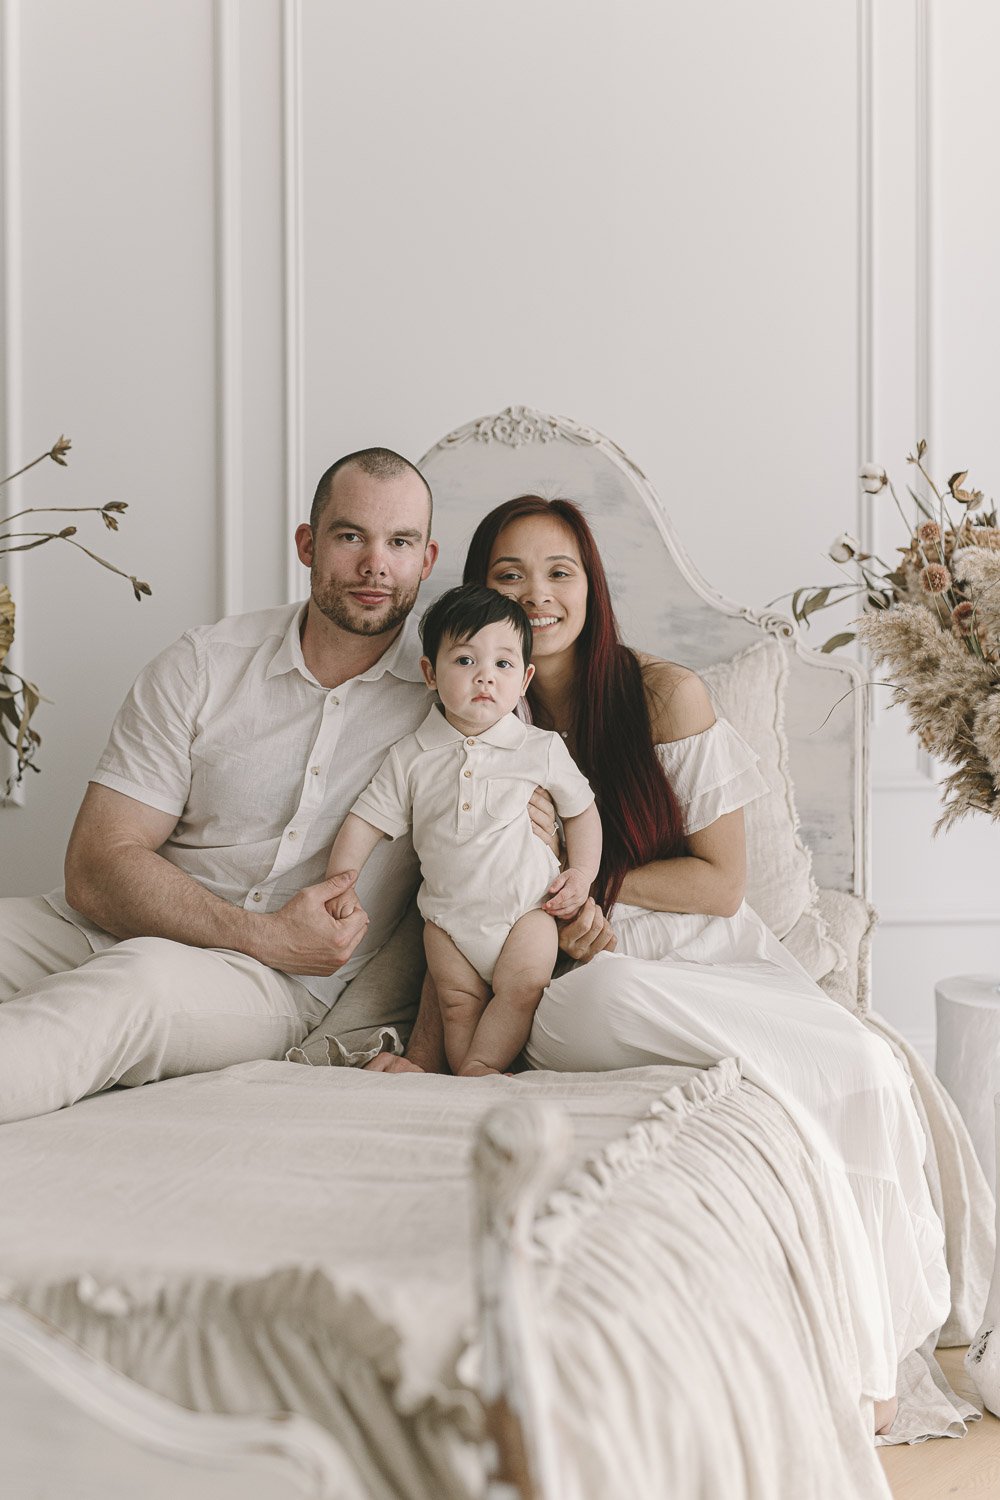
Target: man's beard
<point>332,601</point>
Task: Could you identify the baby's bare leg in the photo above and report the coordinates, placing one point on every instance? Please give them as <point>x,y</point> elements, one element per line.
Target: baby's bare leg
<point>522,971</point>
<point>462,993</point>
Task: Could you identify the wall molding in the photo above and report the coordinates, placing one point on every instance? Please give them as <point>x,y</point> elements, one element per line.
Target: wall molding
<point>228,306</point>
<point>920,771</point>
<point>865,271</point>
<point>923,236</point>
<point>906,781</point>
<point>932,917</point>
<point>291,36</point>
<point>11,328</point>
<point>925,343</point>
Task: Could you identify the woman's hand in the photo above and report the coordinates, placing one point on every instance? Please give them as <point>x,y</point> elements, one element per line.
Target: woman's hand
<point>542,812</point>
<point>588,934</point>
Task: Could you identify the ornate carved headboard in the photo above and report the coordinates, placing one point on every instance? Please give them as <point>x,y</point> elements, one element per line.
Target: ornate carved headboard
<point>665,606</point>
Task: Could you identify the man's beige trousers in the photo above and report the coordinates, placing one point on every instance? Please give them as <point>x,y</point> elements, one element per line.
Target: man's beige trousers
<point>73,1022</point>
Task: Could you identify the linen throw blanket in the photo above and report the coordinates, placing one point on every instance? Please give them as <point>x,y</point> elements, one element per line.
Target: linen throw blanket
<point>274,1237</point>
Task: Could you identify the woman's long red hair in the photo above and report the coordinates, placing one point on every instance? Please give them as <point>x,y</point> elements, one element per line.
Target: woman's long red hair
<point>611,732</point>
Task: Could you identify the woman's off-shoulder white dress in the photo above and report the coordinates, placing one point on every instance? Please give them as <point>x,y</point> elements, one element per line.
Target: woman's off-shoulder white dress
<point>695,989</point>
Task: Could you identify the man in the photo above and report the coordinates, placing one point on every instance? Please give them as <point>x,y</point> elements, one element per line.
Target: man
<point>193,931</point>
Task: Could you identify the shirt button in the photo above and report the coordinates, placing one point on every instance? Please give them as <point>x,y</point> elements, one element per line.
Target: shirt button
<point>466,773</point>
<point>257,896</point>
<point>470,742</point>
<point>335,702</point>
<point>466,806</point>
<point>292,834</point>
<point>314,770</point>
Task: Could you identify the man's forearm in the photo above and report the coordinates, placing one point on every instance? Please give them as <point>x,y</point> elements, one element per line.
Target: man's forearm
<point>115,876</point>
<point>133,892</point>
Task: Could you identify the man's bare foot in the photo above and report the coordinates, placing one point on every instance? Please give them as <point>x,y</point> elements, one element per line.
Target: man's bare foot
<point>477,1070</point>
<point>885,1415</point>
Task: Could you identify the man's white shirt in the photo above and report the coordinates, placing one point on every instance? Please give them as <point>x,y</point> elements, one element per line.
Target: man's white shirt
<point>229,731</point>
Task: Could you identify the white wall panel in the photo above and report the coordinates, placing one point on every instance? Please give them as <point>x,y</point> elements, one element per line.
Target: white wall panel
<point>642,215</point>
<point>117,351</point>
<point>935,125</point>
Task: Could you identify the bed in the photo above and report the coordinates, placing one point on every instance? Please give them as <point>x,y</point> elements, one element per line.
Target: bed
<point>296,1279</point>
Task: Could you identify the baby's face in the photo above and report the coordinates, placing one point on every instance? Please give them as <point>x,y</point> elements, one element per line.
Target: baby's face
<point>481,679</point>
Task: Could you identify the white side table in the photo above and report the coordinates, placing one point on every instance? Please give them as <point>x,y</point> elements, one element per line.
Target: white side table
<point>982,1358</point>
<point>968,1055</point>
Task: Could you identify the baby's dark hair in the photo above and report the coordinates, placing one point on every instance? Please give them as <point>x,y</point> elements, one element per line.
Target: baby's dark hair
<point>462,612</point>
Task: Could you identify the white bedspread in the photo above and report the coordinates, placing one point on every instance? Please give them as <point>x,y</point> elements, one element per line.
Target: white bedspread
<point>276,1237</point>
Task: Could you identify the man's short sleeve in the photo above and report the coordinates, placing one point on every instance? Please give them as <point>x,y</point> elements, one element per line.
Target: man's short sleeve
<point>386,801</point>
<point>566,783</point>
<point>148,755</point>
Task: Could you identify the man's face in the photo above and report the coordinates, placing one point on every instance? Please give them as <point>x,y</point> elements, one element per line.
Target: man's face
<point>369,552</point>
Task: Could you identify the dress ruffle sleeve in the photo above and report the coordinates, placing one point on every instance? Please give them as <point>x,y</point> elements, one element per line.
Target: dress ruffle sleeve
<point>712,773</point>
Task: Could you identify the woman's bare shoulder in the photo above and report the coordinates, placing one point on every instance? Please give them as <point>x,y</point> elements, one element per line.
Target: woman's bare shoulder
<point>677,700</point>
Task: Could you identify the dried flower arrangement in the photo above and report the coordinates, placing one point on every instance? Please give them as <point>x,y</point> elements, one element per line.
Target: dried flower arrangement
<point>934,621</point>
<point>18,697</point>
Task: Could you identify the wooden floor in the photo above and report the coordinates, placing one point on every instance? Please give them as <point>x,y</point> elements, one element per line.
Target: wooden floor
<point>957,1468</point>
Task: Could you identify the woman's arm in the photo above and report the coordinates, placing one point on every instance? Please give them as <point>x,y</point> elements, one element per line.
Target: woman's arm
<point>711,876</point>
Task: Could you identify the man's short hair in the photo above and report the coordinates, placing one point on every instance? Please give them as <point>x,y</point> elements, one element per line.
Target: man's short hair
<point>380,463</point>
<point>462,612</point>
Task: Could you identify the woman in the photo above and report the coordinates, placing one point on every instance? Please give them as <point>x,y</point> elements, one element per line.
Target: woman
<point>673,966</point>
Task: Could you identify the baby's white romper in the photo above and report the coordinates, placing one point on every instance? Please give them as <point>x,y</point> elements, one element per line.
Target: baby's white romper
<point>466,799</point>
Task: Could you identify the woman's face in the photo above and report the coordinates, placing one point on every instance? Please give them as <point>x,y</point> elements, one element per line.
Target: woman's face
<point>536,561</point>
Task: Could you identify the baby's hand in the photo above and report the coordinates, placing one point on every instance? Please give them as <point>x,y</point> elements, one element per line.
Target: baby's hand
<point>567,893</point>
<point>344,905</point>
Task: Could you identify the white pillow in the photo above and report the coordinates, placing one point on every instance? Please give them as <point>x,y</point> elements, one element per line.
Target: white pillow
<point>749,691</point>
<point>852,924</point>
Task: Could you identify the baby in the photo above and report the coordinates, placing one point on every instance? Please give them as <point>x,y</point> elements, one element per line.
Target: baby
<point>491,888</point>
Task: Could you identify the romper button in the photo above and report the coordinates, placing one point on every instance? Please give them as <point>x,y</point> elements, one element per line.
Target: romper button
<point>314,770</point>
<point>256,895</point>
<point>465,806</point>
<point>292,833</point>
<point>466,773</point>
<point>470,742</point>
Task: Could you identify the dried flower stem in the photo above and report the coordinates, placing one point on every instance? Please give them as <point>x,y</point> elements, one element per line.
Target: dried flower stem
<point>47,510</point>
<point>102,560</point>
<point>34,461</point>
<point>927,478</point>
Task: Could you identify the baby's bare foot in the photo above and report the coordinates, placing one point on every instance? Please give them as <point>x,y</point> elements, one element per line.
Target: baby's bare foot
<point>477,1070</point>
<point>885,1415</point>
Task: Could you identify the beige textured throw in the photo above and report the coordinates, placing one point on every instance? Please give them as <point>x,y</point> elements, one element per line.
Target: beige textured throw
<point>278,1237</point>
